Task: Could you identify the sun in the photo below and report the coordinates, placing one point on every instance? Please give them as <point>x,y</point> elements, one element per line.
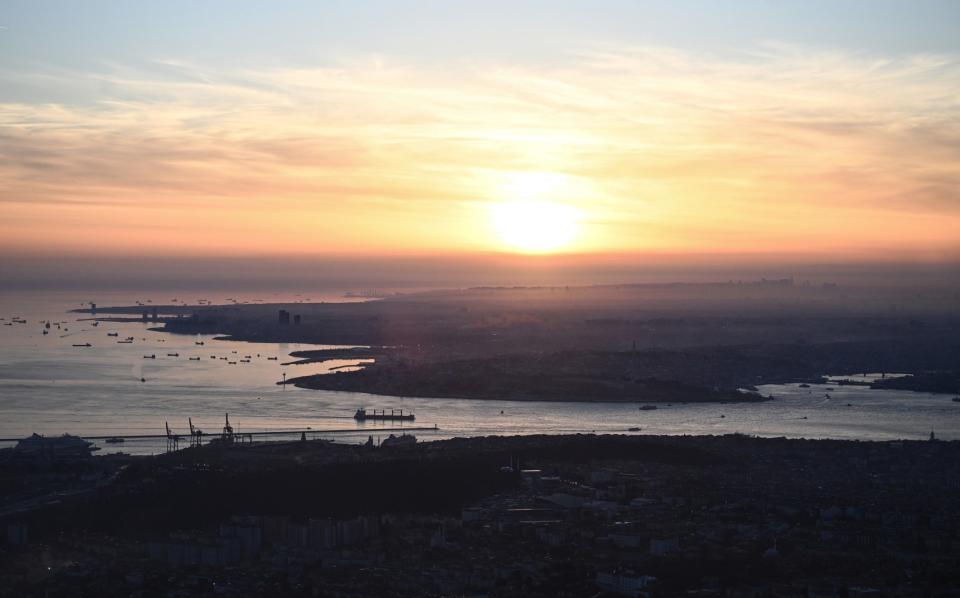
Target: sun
<point>532,220</point>
<point>535,226</point>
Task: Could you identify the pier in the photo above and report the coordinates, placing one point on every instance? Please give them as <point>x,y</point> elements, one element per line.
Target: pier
<point>228,435</point>
<point>261,433</point>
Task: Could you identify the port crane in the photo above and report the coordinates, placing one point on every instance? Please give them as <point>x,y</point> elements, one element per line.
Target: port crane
<point>196,434</point>
<point>173,440</point>
<point>227,434</point>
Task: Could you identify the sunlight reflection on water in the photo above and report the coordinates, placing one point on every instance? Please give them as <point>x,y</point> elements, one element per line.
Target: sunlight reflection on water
<point>50,387</point>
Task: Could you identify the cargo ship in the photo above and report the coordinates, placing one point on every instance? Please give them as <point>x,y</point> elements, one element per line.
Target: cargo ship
<point>363,415</point>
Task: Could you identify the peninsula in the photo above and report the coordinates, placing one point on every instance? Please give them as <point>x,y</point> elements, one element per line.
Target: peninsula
<point>625,343</point>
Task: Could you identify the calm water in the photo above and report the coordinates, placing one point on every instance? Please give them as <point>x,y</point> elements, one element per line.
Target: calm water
<point>50,387</point>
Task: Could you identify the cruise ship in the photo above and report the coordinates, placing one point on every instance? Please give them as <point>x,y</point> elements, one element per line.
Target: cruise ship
<point>54,447</point>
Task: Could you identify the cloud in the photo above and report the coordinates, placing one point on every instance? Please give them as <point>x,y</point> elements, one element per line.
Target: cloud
<point>781,147</point>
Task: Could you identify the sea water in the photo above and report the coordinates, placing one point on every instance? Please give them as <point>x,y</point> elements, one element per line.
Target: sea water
<point>50,387</point>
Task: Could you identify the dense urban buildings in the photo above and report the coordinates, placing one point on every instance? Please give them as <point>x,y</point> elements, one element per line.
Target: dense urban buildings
<point>510,516</point>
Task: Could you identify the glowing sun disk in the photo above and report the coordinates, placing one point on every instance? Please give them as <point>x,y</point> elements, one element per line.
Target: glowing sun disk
<point>535,226</point>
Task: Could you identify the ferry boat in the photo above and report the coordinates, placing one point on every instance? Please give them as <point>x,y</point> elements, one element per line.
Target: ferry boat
<point>363,415</point>
<point>399,441</point>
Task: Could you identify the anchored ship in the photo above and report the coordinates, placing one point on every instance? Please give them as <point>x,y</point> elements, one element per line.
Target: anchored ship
<point>363,415</point>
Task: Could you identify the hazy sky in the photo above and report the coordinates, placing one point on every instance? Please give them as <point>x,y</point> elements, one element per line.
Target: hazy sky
<point>362,128</point>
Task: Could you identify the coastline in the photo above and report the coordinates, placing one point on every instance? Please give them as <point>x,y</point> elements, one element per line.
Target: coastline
<point>443,346</point>
<point>463,381</point>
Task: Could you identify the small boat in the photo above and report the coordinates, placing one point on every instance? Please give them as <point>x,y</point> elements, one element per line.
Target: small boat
<point>231,363</point>
<point>647,407</point>
<point>113,334</point>
<point>244,361</point>
<point>271,358</point>
<point>194,359</point>
<point>149,356</point>
<point>114,440</point>
<point>84,345</point>
<point>955,399</point>
<point>804,385</point>
<point>173,355</point>
<point>46,332</point>
<point>124,342</point>
<point>199,343</point>
<point>143,379</point>
<point>634,429</point>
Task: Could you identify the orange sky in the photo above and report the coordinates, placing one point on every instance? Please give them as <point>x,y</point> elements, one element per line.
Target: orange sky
<point>653,150</point>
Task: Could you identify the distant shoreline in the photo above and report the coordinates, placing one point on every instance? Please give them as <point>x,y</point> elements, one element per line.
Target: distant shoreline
<point>626,345</point>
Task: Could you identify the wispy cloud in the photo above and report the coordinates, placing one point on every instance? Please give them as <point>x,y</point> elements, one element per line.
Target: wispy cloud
<point>782,148</point>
